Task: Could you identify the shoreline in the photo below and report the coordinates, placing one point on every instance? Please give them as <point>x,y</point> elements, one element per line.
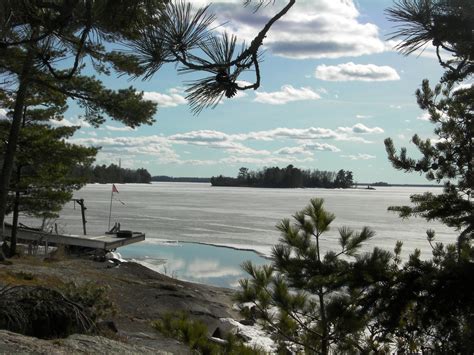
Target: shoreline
<point>205,263</point>
<point>232,247</point>
<point>245,247</point>
<point>140,294</point>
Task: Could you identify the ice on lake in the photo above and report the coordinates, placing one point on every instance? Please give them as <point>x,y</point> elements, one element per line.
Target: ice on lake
<point>242,218</point>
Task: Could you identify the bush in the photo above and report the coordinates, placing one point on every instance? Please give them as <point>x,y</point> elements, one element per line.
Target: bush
<point>49,313</point>
<point>195,334</point>
<point>41,312</point>
<point>92,297</point>
<point>345,301</point>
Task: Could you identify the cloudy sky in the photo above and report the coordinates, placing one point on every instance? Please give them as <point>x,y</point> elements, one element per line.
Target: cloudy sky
<point>332,90</point>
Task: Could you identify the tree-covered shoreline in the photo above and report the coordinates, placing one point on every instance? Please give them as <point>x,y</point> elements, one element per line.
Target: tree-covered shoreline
<point>115,174</point>
<point>289,177</point>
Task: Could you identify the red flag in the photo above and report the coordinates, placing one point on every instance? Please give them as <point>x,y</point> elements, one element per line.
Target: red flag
<point>114,189</point>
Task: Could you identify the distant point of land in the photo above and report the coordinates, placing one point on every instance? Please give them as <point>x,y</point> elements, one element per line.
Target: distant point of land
<point>382,184</point>
<point>164,178</point>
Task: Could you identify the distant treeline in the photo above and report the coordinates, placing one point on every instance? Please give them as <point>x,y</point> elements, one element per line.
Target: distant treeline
<point>112,174</point>
<point>386,184</point>
<point>164,178</point>
<point>288,177</point>
<point>380,183</point>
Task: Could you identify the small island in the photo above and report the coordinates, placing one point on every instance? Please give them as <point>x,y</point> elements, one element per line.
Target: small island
<point>289,177</point>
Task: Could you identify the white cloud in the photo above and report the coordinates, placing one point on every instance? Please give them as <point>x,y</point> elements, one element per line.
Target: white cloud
<point>396,107</point>
<point>235,147</point>
<point>119,129</point>
<point>425,116</point>
<point>356,72</point>
<point>359,156</point>
<point>303,134</point>
<point>361,129</point>
<point>311,29</point>
<point>427,51</point>
<point>173,99</point>
<point>322,147</point>
<point>3,114</point>
<point>293,151</point>
<point>359,117</point>
<point>71,122</point>
<point>287,94</point>
<point>200,136</point>
<point>263,161</point>
<point>308,149</point>
<point>88,133</point>
<point>156,146</point>
<point>240,94</point>
<point>463,86</point>
<point>201,268</point>
<point>217,140</point>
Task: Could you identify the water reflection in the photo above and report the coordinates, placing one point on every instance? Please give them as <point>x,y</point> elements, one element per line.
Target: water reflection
<point>218,266</point>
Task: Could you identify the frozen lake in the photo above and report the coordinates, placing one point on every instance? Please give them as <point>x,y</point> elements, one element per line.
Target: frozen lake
<point>243,218</point>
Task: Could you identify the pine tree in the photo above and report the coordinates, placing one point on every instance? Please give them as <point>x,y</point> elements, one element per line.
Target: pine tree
<point>46,44</point>
<point>42,181</point>
<point>449,159</point>
<point>315,301</point>
<point>448,25</point>
<point>430,305</point>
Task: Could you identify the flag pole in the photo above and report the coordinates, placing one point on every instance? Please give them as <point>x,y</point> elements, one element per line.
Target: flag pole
<point>110,210</point>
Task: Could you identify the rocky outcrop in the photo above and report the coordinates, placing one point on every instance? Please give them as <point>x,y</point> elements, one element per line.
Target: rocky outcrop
<point>140,295</point>
<point>13,343</point>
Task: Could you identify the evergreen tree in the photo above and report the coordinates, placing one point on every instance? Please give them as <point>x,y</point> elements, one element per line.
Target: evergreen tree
<point>430,306</point>
<point>449,159</point>
<point>449,24</point>
<point>38,40</point>
<point>313,301</point>
<point>46,43</point>
<point>372,303</point>
<point>112,174</point>
<point>340,176</point>
<point>42,181</point>
<point>289,177</point>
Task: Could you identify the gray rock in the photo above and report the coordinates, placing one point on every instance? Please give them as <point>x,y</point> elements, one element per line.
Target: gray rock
<point>249,322</point>
<point>13,343</point>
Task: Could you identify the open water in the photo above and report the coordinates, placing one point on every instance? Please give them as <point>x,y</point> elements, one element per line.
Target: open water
<point>240,218</point>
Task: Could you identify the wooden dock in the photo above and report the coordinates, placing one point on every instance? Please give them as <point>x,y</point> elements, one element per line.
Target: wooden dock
<point>103,242</point>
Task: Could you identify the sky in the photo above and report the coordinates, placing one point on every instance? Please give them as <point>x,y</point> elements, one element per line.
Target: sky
<point>333,88</point>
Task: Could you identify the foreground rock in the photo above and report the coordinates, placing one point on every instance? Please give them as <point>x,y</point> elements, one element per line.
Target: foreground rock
<point>12,343</point>
<point>140,294</point>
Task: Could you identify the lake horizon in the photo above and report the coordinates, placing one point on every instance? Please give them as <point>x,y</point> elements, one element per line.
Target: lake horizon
<point>239,218</point>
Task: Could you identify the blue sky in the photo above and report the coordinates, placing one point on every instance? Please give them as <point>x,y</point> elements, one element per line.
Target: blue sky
<point>332,90</point>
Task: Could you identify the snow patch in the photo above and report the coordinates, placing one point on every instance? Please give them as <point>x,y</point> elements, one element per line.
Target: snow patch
<point>258,337</point>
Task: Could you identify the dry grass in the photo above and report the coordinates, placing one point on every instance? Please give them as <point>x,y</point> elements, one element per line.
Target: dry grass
<point>41,312</point>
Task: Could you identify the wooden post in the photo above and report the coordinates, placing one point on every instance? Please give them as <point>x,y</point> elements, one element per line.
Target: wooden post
<point>110,209</point>
<point>80,202</point>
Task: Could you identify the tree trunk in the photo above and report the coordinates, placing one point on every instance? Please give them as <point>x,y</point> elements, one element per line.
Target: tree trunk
<point>16,212</point>
<point>10,150</point>
<point>324,323</point>
<point>13,237</point>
